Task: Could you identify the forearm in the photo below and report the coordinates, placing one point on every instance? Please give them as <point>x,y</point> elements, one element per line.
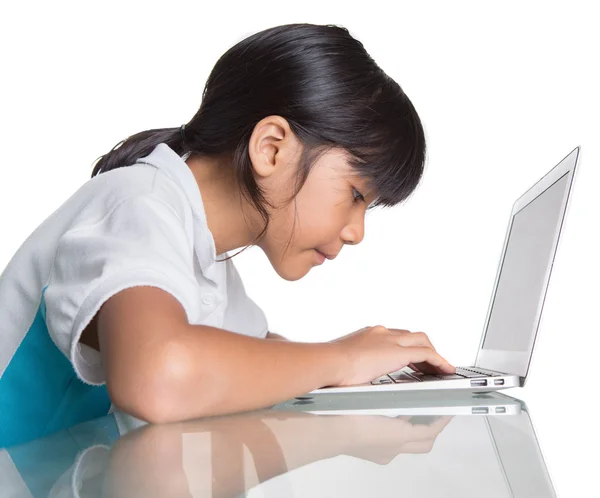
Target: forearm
<point>300,438</point>
<point>225,372</point>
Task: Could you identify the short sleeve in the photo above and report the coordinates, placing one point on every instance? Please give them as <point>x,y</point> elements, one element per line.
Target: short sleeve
<point>141,241</point>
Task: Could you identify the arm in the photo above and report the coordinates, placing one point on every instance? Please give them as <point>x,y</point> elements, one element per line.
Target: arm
<point>160,368</point>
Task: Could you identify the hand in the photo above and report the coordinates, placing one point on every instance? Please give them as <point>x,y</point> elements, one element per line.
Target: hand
<point>422,366</point>
<point>380,438</point>
<point>372,352</point>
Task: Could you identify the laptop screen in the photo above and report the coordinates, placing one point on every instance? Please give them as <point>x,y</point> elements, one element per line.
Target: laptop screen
<point>528,254</point>
<point>520,456</point>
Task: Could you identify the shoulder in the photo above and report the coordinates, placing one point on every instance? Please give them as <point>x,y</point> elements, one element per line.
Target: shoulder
<point>116,190</point>
<point>165,189</point>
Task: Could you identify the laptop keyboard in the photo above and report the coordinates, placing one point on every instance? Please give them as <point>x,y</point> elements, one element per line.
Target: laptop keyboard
<point>461,373</point>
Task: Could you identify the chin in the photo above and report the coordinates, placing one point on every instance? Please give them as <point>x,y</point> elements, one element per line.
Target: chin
<point>290,270</point>
<point>290,274</point>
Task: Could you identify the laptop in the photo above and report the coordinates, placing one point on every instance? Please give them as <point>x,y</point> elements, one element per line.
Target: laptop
<point>476,454</point>
<point>512,322</point>
<point>421,406</point>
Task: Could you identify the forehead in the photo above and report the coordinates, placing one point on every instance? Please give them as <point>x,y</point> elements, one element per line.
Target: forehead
<point>336,165</point>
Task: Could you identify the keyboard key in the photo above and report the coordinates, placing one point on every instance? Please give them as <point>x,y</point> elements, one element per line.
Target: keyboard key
<point>488,373</point>
<point>468,373</point>
<point>402,377</point>
<point>451,376</point>
<point>429,377</point>
<point>474,370</point>
<point>483,371</point>
<point>382,380</point>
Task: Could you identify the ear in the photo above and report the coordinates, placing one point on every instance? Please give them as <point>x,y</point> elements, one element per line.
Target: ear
<point>272,145</point>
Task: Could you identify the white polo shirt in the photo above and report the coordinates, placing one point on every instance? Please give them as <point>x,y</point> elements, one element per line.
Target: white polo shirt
<point>142,224</point>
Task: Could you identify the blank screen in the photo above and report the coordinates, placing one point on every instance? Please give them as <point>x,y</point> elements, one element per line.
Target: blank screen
<point>521,457</point>
<point>528,254</point>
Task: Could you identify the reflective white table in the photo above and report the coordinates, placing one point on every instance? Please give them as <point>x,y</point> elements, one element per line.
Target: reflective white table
<point>363,445</point>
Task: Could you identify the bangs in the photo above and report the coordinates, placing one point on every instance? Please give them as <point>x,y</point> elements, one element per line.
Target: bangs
<point>393,161</point>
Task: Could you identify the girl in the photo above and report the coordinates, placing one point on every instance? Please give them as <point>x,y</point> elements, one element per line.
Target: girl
<point>126,294</point>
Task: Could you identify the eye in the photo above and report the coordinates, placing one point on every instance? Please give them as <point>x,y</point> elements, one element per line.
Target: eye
<point>357,195</point>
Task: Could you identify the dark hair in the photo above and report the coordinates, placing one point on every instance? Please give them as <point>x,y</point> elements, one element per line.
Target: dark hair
<point>331,92</point>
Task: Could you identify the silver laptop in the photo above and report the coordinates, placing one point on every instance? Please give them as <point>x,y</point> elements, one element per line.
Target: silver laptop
<point>515,310</point>
<point>417,404</point>
<point>489,449</point>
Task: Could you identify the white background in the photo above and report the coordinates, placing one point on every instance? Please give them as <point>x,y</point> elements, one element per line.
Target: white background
<point>504,90</point>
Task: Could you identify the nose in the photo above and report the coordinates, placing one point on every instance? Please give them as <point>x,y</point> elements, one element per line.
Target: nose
<point>354,232</point>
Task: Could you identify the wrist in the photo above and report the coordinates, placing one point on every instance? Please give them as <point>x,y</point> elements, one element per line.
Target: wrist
<point>338,361</point>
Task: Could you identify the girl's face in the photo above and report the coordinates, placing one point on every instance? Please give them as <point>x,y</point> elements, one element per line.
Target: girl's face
<point>328,211</point>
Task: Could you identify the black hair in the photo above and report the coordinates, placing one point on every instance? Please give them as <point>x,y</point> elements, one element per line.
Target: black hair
<point>331,92</point>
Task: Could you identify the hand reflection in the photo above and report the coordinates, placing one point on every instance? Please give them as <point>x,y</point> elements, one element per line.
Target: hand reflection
<point>387,437</point>
<point>209,457</point>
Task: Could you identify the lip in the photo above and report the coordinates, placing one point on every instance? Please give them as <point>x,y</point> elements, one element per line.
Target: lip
<point>328,256</point>
<point>321,257</point>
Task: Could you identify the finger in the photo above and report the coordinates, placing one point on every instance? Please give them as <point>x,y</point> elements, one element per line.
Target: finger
<point>414,339</point>
<point>400,331</point>
<point>419,354</point>
<point>426,338</point>
<point>433,369</point>
<point>420,432</point>
<point>417,447</point>
<point>422,335</point>
<point>440,424</point>
<point>426,368</point>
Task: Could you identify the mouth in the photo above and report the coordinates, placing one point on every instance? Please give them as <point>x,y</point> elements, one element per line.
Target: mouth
<point>327,256</point>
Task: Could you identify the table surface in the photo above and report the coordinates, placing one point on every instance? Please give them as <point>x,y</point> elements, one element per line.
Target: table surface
<point>370,444</point>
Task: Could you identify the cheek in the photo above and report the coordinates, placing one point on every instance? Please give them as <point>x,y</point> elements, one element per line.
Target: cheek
<point>308,224</point>
<point>290,262</point>
<point>280,228</point>
<point>320,219</point>
<point>311,230</point>
<point>318,222</point>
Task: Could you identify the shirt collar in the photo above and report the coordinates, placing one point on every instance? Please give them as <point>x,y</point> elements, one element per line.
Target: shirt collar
<point>174,166</point>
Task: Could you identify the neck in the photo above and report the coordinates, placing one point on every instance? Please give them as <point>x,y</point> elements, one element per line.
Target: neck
<point>223,204</point>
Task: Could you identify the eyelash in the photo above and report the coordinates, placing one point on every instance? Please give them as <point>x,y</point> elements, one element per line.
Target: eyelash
<point>358,197</point>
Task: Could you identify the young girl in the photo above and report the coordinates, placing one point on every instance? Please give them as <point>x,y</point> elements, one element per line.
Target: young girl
<point>126,295</point>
